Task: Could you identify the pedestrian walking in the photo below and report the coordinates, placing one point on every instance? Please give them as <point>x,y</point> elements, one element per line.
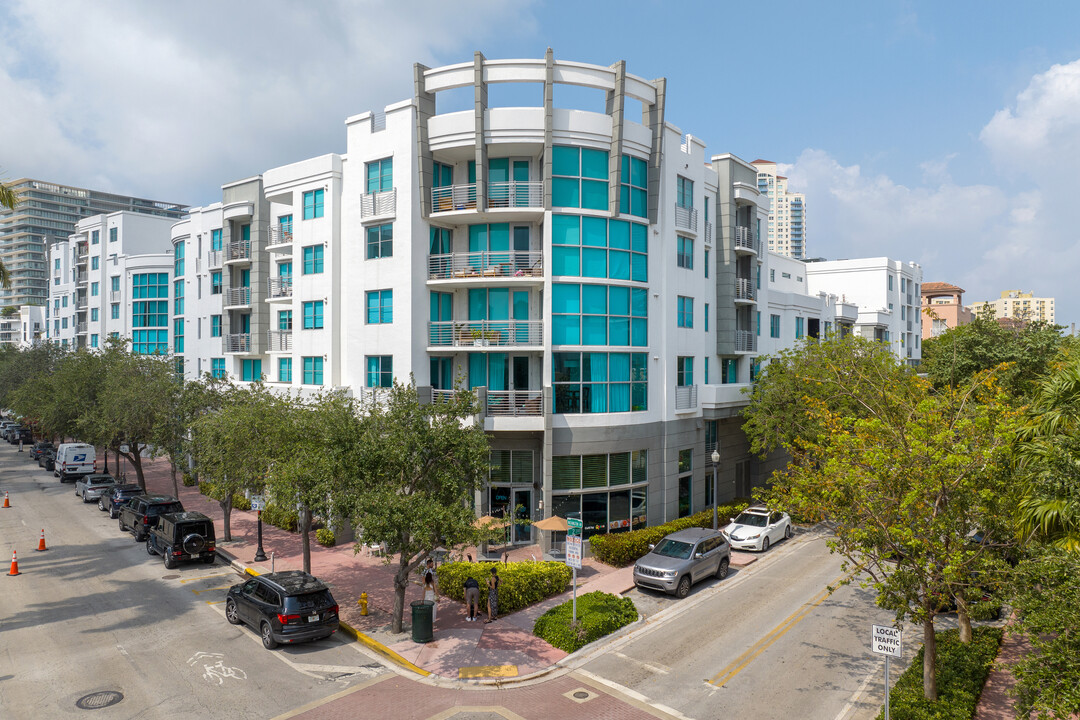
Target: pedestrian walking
<point>472,599</point>
<point>493,595</point>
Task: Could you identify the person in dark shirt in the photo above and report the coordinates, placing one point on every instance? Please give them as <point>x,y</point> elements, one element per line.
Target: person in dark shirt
<point>472,599</point>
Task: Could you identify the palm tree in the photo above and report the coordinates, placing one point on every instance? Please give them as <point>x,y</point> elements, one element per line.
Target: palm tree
<point>8,199</point>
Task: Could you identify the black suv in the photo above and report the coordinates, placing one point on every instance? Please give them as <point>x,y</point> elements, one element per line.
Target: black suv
<point>142,512</point>
<point>21,433</point>
<point>285,607</point>
<point>47,459</point>
<point>117,497</point>
<point>182,536</point>
<point>39,448</point>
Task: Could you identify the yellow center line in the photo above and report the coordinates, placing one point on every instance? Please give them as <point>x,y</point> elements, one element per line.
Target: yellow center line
<point>224,587</point>
<point>737,665</point>
<point>204,577</point>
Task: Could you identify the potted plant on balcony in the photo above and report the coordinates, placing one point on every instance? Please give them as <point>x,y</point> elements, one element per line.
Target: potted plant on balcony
<point>479,337</point>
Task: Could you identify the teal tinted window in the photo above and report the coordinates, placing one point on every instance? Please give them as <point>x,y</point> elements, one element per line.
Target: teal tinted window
<point>594,195</point>
<point>565,298</point>
<point>579,177</point>
<point>599,382</point>
<point>565,161</point>
<point>565,230</point>
<point>598,315</point>
<point>593,260</point>
<point>380,175</point>
<point>284,373</point>
<point>594,164</point>
<point>565,192</point>
<point>565,260</point>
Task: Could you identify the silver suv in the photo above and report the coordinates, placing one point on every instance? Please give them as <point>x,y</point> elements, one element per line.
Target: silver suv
<point>683,558</point>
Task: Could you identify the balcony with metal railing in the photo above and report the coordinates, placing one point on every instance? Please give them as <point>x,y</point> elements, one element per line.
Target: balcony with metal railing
<point>745,240</point>
<point>238,250</point>
<point>378,204</point>
<point>686,218</point>
<point>279,235</point>
<point>515,194</point>
<point>279,288</point>
<point>80,302</point>
<point>114,296</point>
<point>214,258</point>
<point>80,328</point>
<point>279,340</point>
<point>686,397</point>
<point>481,334</point>
<point>237,342</point>
<point>485,265</point>
<point>453,197</point>
<point>238,297</point>
<point>81,278</point>
<point>745,341</point>
<point>744,289</point>
<point>514,403</point>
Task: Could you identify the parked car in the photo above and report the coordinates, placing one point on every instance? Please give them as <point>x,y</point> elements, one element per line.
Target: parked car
<point>24,435</point>
<point>5,425</point>
<point>11,431</point>
<point>90,487</point>
<point>141,513</point>
<point>117,496</point>
<point>38,449</point>
<point>47,459</point>
<point>682,559</point>
<point>182,536</point>
<point>757,527</point>
<point>73,460</point>
<point>285,607</point>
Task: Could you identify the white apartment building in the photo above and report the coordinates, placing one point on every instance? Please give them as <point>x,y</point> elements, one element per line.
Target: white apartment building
<point>111,278</point>
<point>1018,305</point>
<point>591,274</point>
<point>887,294</point>
<point>787,212</point>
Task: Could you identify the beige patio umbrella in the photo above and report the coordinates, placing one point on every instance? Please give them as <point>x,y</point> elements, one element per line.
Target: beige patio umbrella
<point>552,524</point>
<point>489,521</point>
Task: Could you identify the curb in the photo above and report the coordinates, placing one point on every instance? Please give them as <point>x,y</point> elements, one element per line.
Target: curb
<point>346,628</point>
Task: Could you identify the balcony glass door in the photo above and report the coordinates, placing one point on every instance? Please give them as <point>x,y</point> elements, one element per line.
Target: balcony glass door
<point>521,372</point>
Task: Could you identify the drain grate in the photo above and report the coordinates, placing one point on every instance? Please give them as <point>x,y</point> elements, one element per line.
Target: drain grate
<point>580,695</point>
<point>98,700</point>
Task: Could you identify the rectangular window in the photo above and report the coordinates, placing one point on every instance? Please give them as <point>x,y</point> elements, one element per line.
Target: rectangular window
<point>63,323</point>
<point>579,177</point>
<point>56,264</point>
<point>799,327</point>
<point>112,234</point>
<point>313,315</point>
<point>215,240</point>
<point>178,297</point>
<point>380,175</point>
<point>114,283</point>
<point>64,299</point>
<point>215,326</point>
<point>890,282</point>
<point>593,247</point>
<point>706,316</point>
<point>758,323</point>
<point>178,260</point>
<point>634,188</point>
<point>95,289</point>
<point>684,255</point>
<point>93,341</point>
<point>95,262</point>
<point>93,314</point>
<point>313,371</point>
<point>684,371</point>
<point>706,369</point>
<point>313,204</point>
<point>178,335</point>
<point>684,196</point>
<point>215,282</point>
<point>707,267</point>
<point>599,315</point>
<point>284,320</point>
<point>217,367</point>
<point>95,237</point>
<point>313,259</point>
<point>114,311</point>
<point>774,326</point>
<point>588,382</point>
<point>380,307</point>
<point>380,371</point>
<point>380,241</point>
<point>284,370</point>
<point>685,315</point>
<point>251,370</point>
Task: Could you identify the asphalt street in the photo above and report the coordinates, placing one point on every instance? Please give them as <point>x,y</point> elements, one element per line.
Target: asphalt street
<point>95,614</point>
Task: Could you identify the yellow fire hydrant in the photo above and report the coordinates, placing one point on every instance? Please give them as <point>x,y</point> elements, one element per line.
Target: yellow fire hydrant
<point>362,602</point>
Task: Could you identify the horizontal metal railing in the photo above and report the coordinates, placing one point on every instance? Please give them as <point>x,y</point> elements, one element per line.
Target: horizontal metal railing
<point>744,239</point>
<point>453,197</point>
<point>515,403</point>
<point>279,287</point>
<point>686,218</point>
<point>515,194</point>
<point>80,328</point>
<point>685,397</point>
<point>708,231</point>
<point>486,333</point>
<point>239,250</point>
<point>378,203</point>
<point>214,258</point>
<point>238,296</point>
<point>744,289</point>
<point>237,342</point>
<point>501,263</point>
<point>745,341</point>
<point>279,340</point>
<point>279,234</point>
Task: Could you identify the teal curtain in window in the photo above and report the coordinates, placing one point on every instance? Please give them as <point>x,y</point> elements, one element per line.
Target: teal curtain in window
<point>478,304</point>
<point>520,302</point>
<point>594,262</point>
<point>565,260</point>
<point>499,169</point>
<point>619,265</point>
<point>594,195</point>
<point>565,298</point>
<point>594,231</point>
<point>619,234</point>
<point>594,330</point>
<point>565,230</point>
<point>565,161</point>
<point>477,370</point>
<point>566,330</point>
<point>497,363</point>
<point>565,192</point>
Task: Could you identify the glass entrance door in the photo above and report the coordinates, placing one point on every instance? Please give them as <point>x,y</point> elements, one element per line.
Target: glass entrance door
<point>522,511</point>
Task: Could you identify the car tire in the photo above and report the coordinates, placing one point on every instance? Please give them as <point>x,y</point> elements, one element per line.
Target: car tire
<point>267,635</point>
<point>139,537</point>
<point>231,613</point>
<point>788,532</point>
<point>209,560</point>
<point>112,512</point>
<point>101,505</point>
<point>170,562</point>
<point>722,568</point>
<point>150,547</point>
<point>683,588</point>
<point>84,498</point>
<point>123,528</point>
<point>765,544</point>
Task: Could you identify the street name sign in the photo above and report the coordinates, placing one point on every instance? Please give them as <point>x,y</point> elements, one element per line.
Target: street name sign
<point>885,640</point>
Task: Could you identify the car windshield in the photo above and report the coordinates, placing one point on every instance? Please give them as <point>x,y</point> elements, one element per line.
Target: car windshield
<point>164,509</point>
<point>311,601</point>
<point>752,519</point>
<point>673,549</point>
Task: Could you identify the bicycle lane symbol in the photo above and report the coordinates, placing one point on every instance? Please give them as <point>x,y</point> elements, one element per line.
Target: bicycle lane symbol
<point>216,670</point>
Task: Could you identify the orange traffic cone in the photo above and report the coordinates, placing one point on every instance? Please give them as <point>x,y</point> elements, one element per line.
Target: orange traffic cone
<point>14,564</point>
<point>6,503</point>
<point>41,542</point>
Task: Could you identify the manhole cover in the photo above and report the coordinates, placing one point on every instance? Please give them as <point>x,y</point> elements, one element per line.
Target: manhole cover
<point>581,695</point>
<point>97,700</point>
<point>169,577</point>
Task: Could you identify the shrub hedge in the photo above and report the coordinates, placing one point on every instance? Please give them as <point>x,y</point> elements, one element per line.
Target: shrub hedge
<point>281,518</point>
<point>325,537</point>
<point>598,614</point>
<point>961,672</point>
<point>520,583</point>
<point>621,549</point>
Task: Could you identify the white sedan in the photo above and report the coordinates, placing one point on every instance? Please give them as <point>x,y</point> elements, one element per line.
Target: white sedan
<point>756,528</point>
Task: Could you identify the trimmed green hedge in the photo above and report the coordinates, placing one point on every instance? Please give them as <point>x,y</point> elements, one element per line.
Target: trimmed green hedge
<point>325,537</point>
<point>621,549</point>
<point>520,583</point>
<point>961,673</point>
<point>281,518</point>
<point>598,614</point>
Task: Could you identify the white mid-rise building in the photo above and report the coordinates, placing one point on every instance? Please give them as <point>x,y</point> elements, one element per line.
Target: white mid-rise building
<point>787,212</point>
<point>887,294</point>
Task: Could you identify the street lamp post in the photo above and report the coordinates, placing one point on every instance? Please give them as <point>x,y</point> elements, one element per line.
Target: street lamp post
<point>715,465</point>
<point>260,556</point>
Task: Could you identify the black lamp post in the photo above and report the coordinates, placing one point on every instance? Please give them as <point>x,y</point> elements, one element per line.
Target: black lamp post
<point>715,465</point>
<point>260,556</point>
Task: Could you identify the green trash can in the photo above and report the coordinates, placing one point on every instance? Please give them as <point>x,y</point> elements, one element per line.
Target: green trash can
<point>422,610</point>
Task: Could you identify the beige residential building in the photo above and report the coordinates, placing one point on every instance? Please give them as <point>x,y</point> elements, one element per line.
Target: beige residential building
<point>1018,305</point>
<point>787,212</point>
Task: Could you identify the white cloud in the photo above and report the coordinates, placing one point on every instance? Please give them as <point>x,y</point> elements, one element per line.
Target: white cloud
<point>170,101</point>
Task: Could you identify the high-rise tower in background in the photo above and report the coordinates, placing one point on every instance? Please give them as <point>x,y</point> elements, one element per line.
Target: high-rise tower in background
<point>787,212</point>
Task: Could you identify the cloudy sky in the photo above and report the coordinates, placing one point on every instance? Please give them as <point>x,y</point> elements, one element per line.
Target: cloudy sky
<point>944,133</point>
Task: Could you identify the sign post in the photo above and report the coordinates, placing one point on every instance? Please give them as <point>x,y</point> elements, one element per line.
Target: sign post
<point>573,551</point>
<point>886,641</point>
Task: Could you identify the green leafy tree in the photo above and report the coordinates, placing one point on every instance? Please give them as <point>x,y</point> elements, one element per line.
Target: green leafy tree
<point>904,476</point>
<point>419,467</point>
<point>235,445</point>
<point>9,199</point>
<point>25,374</point>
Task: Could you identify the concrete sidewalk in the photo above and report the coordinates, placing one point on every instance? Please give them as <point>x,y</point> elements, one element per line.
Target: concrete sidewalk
<point>503,649</point>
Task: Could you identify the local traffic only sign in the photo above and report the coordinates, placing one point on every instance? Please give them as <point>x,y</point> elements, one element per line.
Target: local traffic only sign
<point>887,641</point>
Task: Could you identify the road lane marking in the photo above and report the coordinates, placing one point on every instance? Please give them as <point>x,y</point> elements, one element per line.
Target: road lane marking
<point>737,665</point>
<point>223,587</point>
<point>850,706</point>
<point>661,669</point>
<point>205,577</point>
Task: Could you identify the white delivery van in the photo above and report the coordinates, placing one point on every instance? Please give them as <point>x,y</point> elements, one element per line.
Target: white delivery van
<point>73,460</point>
